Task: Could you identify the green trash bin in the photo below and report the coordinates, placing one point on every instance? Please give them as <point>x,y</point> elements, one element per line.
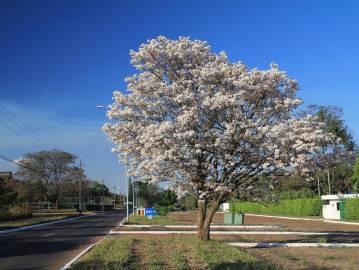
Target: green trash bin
<point>238,218</point>
<point>234,218</point>
<point>228,218</point>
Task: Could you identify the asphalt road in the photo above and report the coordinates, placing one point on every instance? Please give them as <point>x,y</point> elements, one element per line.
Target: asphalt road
<point>52,246</point>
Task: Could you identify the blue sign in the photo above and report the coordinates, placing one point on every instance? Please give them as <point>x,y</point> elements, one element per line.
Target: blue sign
<point>150,212</point>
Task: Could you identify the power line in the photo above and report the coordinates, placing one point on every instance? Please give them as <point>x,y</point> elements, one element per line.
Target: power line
<point>19,134</point>
<point>27,130</point>
<point>24,127</point>
<point>5,158</point>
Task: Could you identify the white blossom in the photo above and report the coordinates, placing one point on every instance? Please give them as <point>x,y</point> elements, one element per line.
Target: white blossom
<point>208,125</point>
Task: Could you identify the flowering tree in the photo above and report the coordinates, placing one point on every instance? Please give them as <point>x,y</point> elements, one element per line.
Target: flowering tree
<point>208,125</point>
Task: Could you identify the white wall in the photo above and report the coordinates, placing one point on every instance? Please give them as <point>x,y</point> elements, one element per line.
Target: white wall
<point>330,210</point>
<point>225,207</point>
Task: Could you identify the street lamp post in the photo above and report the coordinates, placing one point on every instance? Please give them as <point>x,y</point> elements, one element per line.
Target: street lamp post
<point>127,192</point>
<point>127,178</point>
<point>133,197</point>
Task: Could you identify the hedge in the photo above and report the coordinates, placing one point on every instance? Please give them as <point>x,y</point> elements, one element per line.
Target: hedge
<point>295,207</point>
<point>352,209</point>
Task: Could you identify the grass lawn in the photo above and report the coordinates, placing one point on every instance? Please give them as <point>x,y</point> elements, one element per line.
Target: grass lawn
<point>155,252</point>
<point>310,258</point>
<point>38,218</point>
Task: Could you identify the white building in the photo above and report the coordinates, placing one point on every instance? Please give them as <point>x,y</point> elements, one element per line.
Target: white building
<point>332,205</point>
<point>224,207</point>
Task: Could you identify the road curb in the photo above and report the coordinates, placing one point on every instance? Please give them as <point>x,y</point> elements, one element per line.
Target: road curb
<point>287,244</point>
<point>283,217</point>
<point>67,266</point>
<point>341,222</point>
<point>25,228</point>
<point>82,253</point>
<point>239,232</point>
<point>212,226</point>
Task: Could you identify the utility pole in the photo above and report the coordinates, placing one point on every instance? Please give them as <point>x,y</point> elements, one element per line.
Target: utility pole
<point>118,190</point>
<point>103,195</point>
<point>114,197</point>
<point>80,191</point>
<point>127,193</point>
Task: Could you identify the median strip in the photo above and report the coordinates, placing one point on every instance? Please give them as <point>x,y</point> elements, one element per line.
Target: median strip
<point>287,244</point>
<point>238,232</point>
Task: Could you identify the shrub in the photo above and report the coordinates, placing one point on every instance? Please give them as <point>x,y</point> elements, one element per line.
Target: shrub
<point>15,212</point>
<point>352,209</point>
<point>296,207</point>
<point>164,210</point>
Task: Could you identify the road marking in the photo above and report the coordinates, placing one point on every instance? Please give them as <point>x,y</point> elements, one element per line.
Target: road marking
<point>280,244</point>
<point>49,234</point>
<point>25,228</point>
<point>66,266</point>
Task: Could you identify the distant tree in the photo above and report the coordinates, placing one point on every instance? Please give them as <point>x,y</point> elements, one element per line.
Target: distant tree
<point>167,202</point>
<point>95,188</point>
<point>331,166</point>
<point>7,194</point>
<point>355,176</point>
<point>47,168</point>
<point>193,118</point>
<point>148,194</point>
<point>188,201</point>
<point>167,198</point>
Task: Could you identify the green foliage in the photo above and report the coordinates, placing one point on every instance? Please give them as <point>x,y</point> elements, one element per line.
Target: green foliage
<point>295,207</point>
<point>168,197</point>
<point>352,209</point>
<point>167,202</point>
<point>148,194</point>
<point>7,194</point>
<point>296,194</point>
<point>333,118</point>
<point>95,188</point>
<point>355,176</point>
<point>188,202</point>
<point>164,210</point>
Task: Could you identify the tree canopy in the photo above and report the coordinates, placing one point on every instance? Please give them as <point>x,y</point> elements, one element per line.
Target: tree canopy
<point>207,125</point>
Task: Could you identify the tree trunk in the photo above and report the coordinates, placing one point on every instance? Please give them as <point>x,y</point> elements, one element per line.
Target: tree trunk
<point>328,176</point>
<point>204,219</point>
<point>318,185</point>
<point>201,216</point>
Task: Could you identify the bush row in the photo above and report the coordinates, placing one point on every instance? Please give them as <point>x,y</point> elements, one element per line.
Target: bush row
<point>296,207</point>
<point>15,212</point>
<point>352,209</point>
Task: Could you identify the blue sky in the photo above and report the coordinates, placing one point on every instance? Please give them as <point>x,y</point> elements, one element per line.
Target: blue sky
<point>59,59</point>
